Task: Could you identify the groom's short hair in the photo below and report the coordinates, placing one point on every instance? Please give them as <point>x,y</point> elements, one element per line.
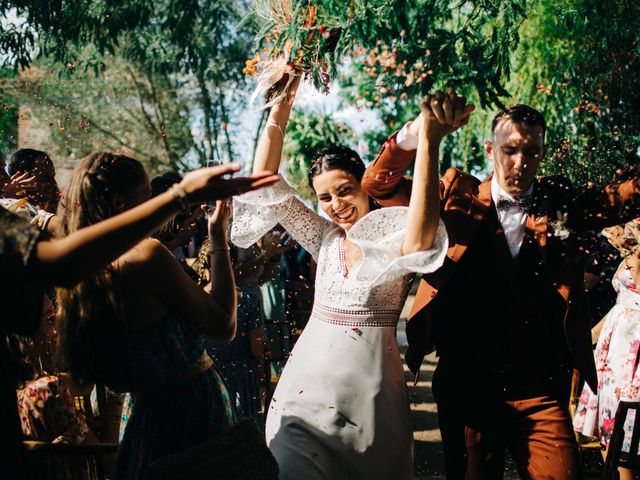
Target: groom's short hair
<point>520,113</point>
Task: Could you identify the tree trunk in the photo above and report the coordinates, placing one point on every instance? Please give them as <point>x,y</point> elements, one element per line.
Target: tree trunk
<point>207,108</point>
<point>225,123</point>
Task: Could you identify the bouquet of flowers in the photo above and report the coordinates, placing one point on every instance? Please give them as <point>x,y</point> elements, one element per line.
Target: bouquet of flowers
<point>301,39</point>
<point>397,48</point>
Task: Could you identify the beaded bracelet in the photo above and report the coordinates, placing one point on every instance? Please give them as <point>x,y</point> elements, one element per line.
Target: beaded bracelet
<point>180,195</point>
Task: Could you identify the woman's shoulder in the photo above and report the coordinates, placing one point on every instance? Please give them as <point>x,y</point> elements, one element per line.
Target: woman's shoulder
<point>144,255</point>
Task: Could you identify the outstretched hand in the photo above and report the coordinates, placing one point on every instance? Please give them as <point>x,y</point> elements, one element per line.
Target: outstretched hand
<point>444,113</point>
<point>208,184</point>
<point>20,185</point>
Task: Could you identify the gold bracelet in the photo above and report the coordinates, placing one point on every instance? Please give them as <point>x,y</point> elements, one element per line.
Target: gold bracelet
<point>180,195</point>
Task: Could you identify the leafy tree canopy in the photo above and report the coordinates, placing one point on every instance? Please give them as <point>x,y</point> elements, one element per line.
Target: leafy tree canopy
<point>308,133</point>
<point>579,63</point>
<point>576,60</point>
<point>193,50</point>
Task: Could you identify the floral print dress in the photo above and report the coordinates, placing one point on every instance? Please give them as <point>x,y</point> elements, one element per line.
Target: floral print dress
<point>616,359</point>
<point>25,210</point>
<point>47,412</point>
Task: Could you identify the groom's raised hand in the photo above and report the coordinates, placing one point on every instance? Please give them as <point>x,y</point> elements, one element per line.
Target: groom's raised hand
<point>444,112</point>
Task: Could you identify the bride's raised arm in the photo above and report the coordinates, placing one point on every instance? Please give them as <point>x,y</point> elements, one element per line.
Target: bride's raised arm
<point>255,215</point>
<point>444,113</point>
<point>269,151</point>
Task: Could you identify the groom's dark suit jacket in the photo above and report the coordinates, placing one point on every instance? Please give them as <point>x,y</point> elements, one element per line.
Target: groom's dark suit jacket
<point>484,311</point>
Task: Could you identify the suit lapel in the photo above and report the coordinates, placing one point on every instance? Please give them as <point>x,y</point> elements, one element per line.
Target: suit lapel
<point>477,212</point>
<point>475,209</point>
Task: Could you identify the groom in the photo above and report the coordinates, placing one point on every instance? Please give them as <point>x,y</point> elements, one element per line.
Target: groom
<point>507,312</point>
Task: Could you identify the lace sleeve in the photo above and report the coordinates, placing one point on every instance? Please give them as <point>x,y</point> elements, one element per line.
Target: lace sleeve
<point>255,213</point>
<point>380,235</point>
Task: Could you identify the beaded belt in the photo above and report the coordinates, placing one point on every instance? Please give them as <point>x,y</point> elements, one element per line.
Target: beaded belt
<point>193,371</point>
<point>356,318</point>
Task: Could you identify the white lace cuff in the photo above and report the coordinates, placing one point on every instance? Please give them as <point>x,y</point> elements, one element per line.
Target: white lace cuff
<point>255,213</point>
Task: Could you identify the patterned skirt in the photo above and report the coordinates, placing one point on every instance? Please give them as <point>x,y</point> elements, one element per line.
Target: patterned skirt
<point>616,359</point>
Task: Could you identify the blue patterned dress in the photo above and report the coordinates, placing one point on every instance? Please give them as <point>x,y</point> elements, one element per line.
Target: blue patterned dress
<point>235,361</point>
<point>180,400</point>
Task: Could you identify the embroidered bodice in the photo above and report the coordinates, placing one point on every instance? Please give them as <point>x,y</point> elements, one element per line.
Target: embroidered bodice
<point>378,282</point>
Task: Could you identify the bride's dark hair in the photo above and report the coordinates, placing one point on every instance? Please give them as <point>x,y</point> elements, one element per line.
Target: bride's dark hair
<point>337,157</point>
<point>90,313</point>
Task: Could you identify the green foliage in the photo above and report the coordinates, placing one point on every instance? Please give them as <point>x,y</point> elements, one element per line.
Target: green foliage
<point>189,48</point>
<point>8,115</point>
<point>575,60</point>
<point>464,45</point>
<point>61,25</point>
<point>307,134</point>
<point>397,51</point>
<point>402,48</point>
<point>122,109</point>
<point>166,36</point>
<point>579,62</point>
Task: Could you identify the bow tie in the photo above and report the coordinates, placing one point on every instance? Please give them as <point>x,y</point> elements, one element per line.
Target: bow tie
<point>521,202</point>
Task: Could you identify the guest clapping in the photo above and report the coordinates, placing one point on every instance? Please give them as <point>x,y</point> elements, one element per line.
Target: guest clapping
<point>41,188</point>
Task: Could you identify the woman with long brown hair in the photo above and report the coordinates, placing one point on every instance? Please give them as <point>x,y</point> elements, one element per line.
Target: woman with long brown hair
<point>138,325</point>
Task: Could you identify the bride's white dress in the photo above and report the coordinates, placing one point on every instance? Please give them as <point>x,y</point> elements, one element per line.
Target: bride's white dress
<point>340,410</point>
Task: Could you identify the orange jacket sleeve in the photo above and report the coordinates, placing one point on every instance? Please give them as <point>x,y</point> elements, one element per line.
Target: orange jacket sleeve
<point>383,179</point>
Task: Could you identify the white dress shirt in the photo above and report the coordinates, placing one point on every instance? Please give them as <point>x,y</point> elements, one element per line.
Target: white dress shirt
<point>513,219</point>
<point>405,139</point>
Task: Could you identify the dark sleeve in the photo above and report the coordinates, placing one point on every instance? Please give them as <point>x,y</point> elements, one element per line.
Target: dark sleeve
<point>600,207</point>
<point>20,298</point>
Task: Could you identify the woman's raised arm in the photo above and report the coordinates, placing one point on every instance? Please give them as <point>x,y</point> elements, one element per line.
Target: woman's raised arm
<point>443,113</point>
<point>269,151</point>
<point>66,261</point>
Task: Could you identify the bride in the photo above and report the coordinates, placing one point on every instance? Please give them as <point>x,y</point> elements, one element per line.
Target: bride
<point>340,410</point>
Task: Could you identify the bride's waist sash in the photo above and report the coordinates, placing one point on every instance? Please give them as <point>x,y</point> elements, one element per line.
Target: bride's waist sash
<point>356,318</point>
